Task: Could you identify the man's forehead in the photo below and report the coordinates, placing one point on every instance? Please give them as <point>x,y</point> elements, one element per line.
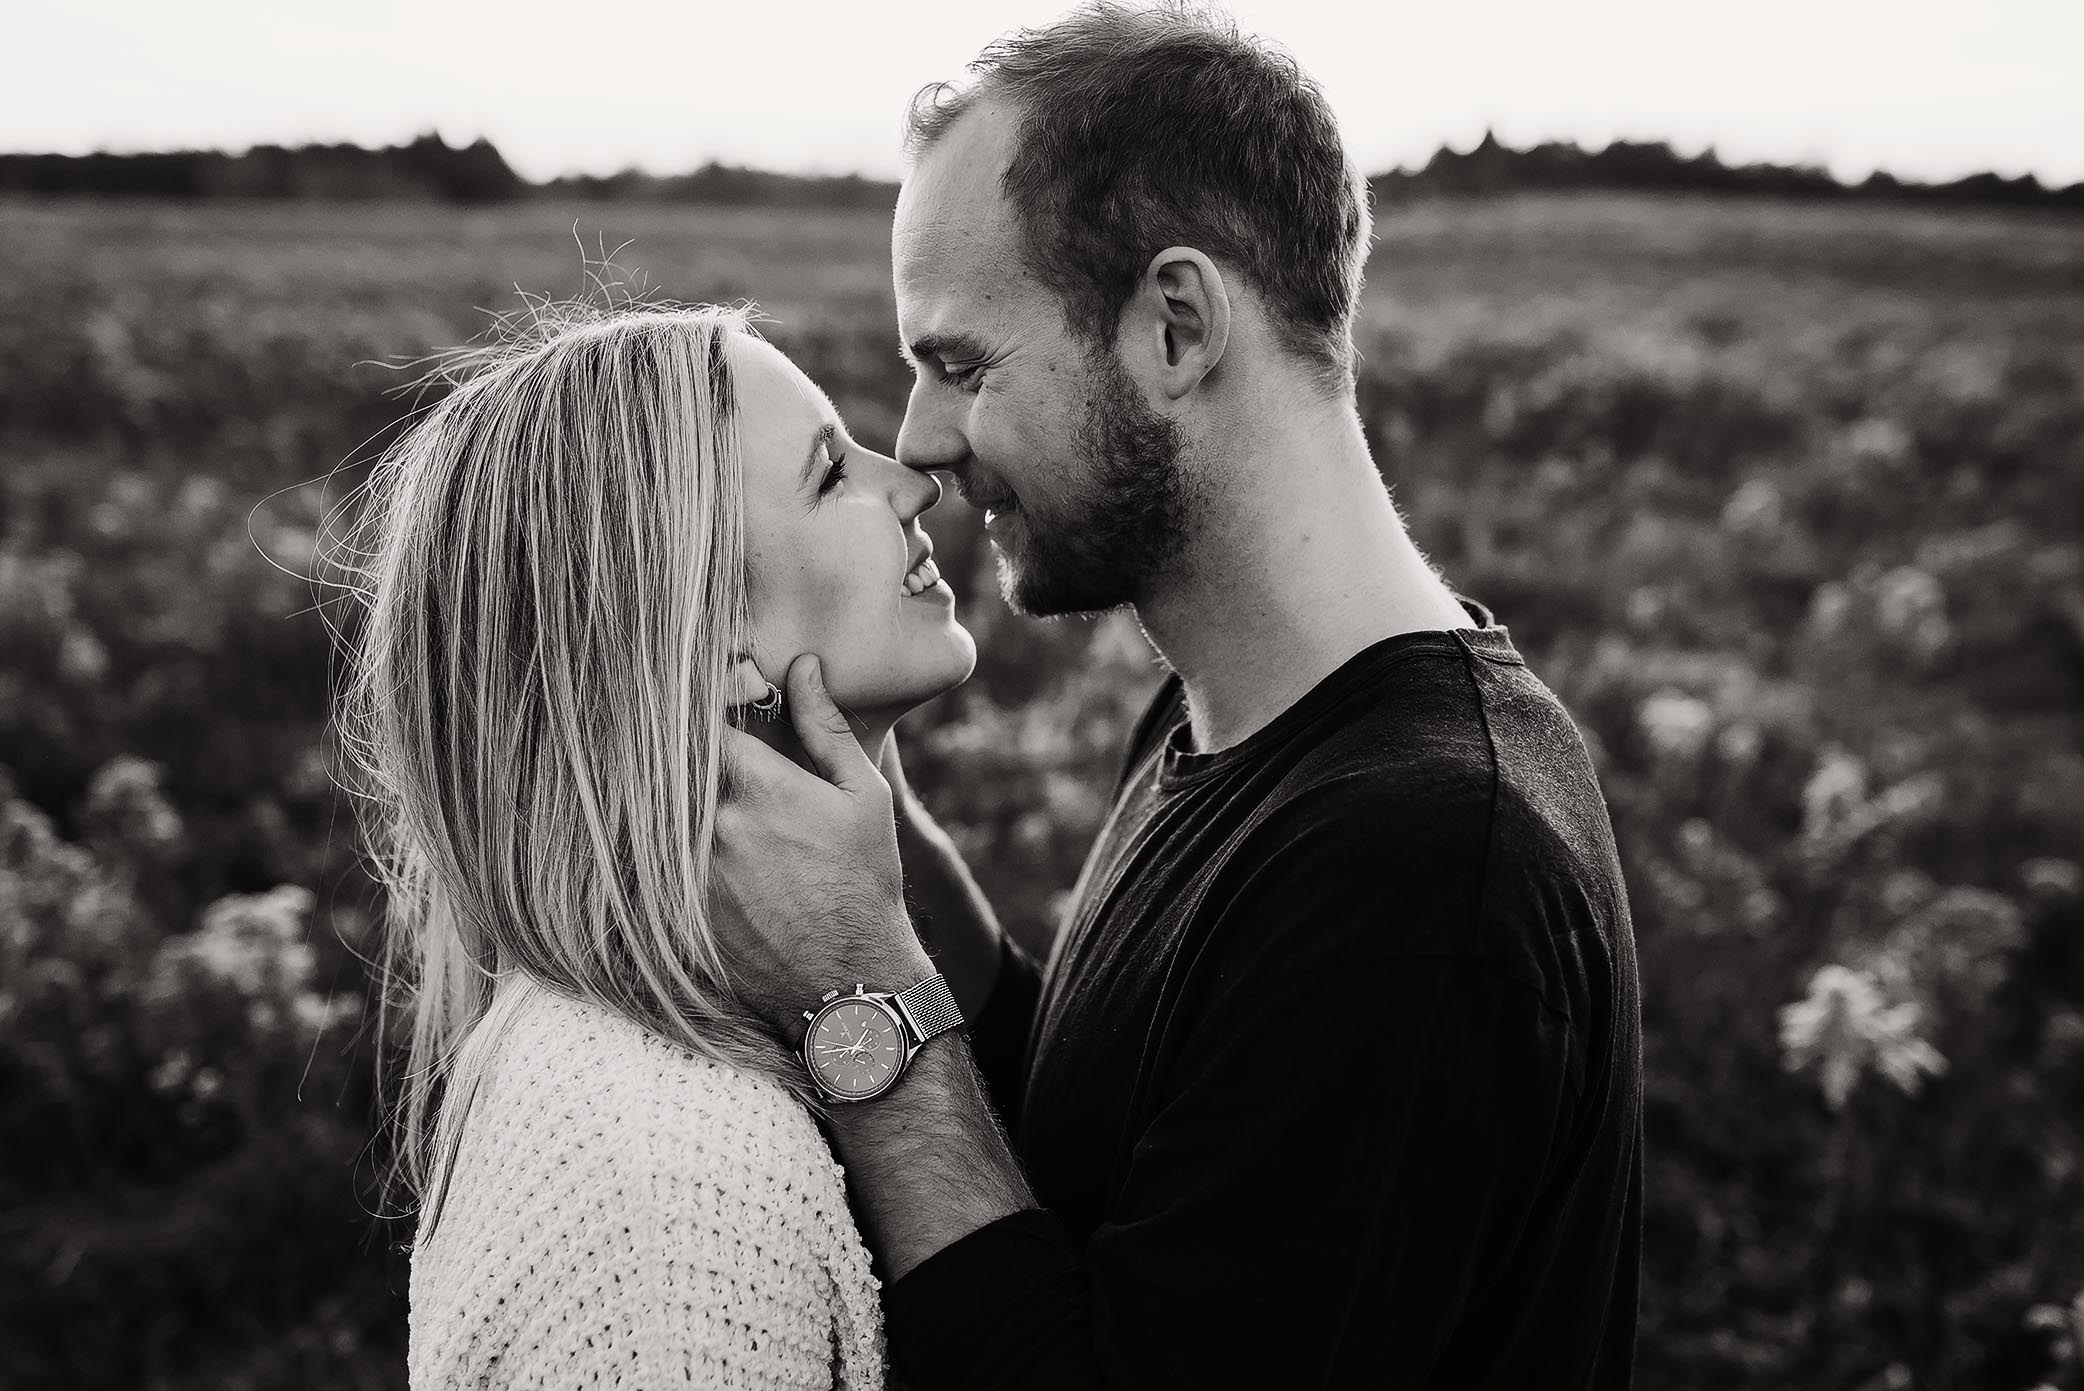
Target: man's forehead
<point>951,207</point>
<point>969,158</point>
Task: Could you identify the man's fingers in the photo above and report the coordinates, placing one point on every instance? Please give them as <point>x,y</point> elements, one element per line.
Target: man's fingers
<point>826,735</point>
<point>753,771</point>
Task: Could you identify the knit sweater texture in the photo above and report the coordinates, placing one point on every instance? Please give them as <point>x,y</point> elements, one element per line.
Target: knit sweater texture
<point>623,1213</point>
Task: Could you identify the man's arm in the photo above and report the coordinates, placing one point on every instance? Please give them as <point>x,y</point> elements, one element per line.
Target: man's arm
<point>1341,1160</point>
<point>926,1162</point>
<point>995,983</point>
<point>808,896</point>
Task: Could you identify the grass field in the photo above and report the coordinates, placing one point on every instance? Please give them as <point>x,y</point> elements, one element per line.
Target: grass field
<point>1787,502</point>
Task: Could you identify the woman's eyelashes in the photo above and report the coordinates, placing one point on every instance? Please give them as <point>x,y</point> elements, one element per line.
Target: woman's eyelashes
<point>835,474</point>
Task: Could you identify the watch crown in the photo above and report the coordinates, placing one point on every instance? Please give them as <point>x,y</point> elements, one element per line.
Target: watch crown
<point>829,995</point>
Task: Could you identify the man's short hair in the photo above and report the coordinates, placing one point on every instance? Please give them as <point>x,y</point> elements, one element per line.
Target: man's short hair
<point>1139,129</point>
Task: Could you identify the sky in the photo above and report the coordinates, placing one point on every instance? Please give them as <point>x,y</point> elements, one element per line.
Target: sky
<point>1921,88</point>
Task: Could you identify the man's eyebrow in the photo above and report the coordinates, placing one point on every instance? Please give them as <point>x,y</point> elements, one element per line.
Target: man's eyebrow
<point>827,433</point>
<point>948,347</point>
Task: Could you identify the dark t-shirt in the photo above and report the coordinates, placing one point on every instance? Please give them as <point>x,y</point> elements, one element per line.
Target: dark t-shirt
<point>1336,1076</point>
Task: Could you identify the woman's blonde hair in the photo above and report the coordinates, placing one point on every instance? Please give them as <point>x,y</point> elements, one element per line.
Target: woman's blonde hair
<point>549,568</point>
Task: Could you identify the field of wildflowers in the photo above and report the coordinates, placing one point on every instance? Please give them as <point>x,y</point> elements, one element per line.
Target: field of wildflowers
<point>1786,501</point>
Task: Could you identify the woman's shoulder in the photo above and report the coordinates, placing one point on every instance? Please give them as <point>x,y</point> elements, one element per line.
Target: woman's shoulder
<point>587,1128</point>
<point>606,1180</point>
<point>576,1076</point>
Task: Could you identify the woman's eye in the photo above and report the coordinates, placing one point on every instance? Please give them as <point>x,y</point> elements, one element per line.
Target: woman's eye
<point>833,475</point>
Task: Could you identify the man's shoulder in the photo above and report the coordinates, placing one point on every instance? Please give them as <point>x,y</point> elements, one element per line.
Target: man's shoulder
<point>1449,824</point>
<point>1441,747</point>
<point>1408,752</point>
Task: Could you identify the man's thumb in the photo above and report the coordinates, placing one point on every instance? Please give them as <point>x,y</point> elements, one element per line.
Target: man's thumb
<point>826,735</point>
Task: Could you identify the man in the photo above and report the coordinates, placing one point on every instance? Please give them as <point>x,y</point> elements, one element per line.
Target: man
<point>1334,1078</point>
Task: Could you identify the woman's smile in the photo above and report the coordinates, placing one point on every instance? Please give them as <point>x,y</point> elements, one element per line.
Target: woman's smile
<point>922,578</point>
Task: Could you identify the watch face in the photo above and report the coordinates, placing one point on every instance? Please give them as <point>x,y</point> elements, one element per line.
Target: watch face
<point>855,1048</point>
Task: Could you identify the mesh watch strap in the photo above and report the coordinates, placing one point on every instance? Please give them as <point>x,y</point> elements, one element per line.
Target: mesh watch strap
<point>929,1007</point>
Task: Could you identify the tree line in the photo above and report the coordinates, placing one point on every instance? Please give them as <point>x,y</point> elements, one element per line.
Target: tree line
<point>428,168</point>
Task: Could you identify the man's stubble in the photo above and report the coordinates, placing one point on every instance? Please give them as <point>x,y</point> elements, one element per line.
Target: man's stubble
<point>1126,520</point>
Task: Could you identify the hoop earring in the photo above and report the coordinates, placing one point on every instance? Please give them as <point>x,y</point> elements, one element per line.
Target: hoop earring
<point>768,706</point>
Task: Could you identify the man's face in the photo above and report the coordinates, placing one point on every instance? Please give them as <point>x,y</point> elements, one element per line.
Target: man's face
<point>1078,476</point>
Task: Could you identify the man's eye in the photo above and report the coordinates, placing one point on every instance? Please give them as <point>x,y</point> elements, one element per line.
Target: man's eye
<point>967,378</point>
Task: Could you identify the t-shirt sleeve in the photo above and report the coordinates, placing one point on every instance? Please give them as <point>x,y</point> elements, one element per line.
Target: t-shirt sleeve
<point>1351,1142</point>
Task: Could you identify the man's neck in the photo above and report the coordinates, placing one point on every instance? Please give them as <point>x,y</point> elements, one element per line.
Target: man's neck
<point>1298,561</point>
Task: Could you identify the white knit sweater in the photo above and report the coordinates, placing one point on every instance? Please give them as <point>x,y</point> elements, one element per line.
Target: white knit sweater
<point>625,1214</point>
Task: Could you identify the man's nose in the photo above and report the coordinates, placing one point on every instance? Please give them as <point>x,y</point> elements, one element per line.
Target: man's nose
<point>913,493</point>
<point>931,436</point>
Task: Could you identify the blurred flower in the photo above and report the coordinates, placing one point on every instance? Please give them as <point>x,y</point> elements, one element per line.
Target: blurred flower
<point>81,657</point>
<point>1910,609</point>
<point>1906,891</point>
<point>252,941</point>
<point>2065,1322</point>
<point>1031,831</point>
<point>1740,743</point>
<point>2062,1040</point>
<point>1842,1029</point>
<point>1833,793</point>
<point>2053,878</point>
<point>1724,886</point>
<point>1877,441</point>
<point>172,1072</point>
<point>1908,800</point>
<point>1830,610</point>
<point>1645,606</point>
<point>1838,813</point>
<point>126,806</point>
<point>1755,511</point>
<point>1677,725</point>
<point>1953,945</point>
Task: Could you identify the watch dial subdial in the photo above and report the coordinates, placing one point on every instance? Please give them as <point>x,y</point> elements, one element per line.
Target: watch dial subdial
<point>854,1047</point>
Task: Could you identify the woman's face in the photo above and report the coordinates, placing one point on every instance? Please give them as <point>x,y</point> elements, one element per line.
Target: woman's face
<point>837,554</point>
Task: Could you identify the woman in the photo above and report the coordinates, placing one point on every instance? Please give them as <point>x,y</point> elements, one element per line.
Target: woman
<point>610,538</point>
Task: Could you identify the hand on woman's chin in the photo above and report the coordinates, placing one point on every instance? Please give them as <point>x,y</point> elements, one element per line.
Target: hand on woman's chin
<point>873,719</point>
<point>871,723</point>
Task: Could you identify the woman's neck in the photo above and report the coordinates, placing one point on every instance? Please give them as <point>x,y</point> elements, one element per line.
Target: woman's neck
<point>872,731</point>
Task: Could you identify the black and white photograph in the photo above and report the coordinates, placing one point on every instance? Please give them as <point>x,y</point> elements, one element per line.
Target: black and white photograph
<point>1133,694</point>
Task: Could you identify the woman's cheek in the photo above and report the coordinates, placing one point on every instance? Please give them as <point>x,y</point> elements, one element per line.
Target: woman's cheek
<point>841,613</point>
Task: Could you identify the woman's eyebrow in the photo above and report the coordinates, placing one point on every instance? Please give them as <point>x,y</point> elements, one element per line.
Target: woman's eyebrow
<point>827,433</point>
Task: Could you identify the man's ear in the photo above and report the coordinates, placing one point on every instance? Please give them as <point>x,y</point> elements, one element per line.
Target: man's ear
<point>1182,314</point>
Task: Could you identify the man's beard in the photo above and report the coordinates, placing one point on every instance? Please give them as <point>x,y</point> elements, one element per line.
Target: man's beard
<point>1100,548</point>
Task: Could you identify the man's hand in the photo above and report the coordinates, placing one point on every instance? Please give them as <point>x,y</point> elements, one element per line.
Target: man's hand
<point>807,891</point>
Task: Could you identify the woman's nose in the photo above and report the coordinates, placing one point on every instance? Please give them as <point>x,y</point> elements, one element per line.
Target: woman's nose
<point>913,493</point>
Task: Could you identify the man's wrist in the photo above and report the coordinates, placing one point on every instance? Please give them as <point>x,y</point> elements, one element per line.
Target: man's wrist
<point>927,1161</point>
<point>889,970</point>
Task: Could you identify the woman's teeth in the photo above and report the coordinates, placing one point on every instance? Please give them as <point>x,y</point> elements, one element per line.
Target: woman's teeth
<point>925,577</point>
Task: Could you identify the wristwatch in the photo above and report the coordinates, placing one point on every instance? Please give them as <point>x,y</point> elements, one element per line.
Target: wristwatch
<point>858,1045</point>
